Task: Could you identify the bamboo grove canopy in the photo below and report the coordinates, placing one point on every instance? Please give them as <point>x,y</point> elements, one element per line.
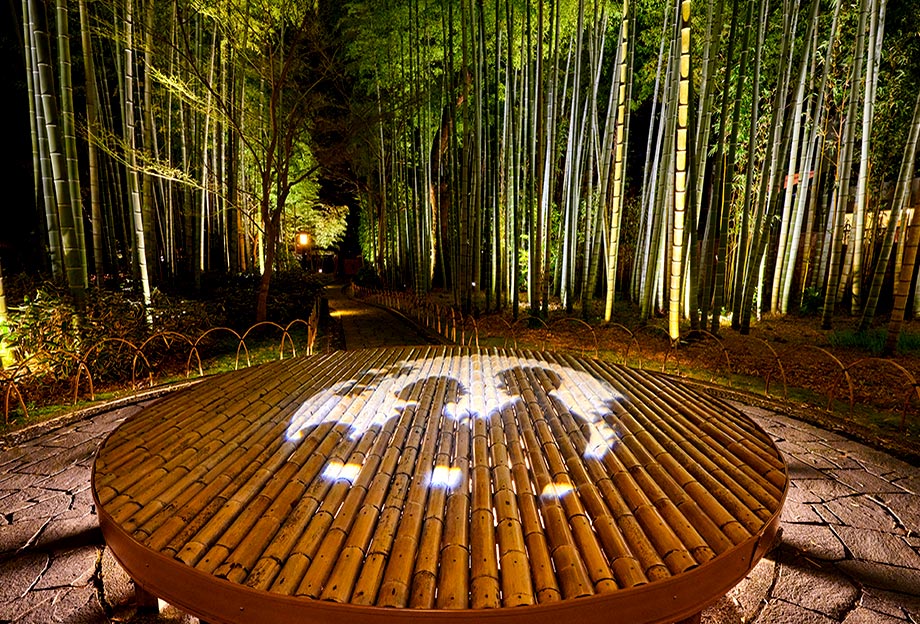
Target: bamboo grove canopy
<point>709,160</point>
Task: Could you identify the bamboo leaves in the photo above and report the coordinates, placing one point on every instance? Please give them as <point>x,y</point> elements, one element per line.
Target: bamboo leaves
<point>485,144</point>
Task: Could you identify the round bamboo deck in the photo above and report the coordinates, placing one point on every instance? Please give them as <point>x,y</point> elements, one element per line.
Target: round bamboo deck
<point>439,484</point>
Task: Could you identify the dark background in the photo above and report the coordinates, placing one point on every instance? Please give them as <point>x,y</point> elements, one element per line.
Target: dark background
<point>18,217</point>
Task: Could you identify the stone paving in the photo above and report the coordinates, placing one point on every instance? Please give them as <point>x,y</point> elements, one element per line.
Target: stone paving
<point>849,549</point>
<point>368,326</point>
<point>850,544</point>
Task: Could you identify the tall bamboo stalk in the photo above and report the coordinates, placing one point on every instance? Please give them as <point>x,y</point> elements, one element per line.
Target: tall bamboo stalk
<point>835,268</point>
<point>898,203</point>
<point>92,129</point>
<point>131,143</point>
<point>681,168</point>
<point>71,244</point>
<point>619,151</point>
<point>68,136</point>
<point>41,165</point>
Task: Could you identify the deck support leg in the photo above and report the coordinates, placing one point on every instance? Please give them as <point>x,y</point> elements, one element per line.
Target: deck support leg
<point>146,601</point>
<point>693,619</point>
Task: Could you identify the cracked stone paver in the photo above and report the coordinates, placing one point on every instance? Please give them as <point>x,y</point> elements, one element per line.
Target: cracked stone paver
<point>878,546</point>
<point>802,582</point>
<point>849,551</point>
<point>820,542</point>
<point>861,512</point>
<point>782,612</point>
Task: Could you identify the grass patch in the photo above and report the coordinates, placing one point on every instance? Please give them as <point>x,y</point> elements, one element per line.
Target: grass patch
<point>873,340</point>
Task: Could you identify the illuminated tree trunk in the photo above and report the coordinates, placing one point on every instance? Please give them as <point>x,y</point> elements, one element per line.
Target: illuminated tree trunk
<point>720,205</point>
<point>807,181</point>
<point>794,164</point>
<point>900,200</point>
<point>647,245</point>
<point>133,182</point>
<point>619,150</point>
<point>902,285</point>
<point>681,167</point>
<point>743,251</point>
<point>876,31</point>
<point>843,178</point>
<point>92,129</point>
<point>69,137</point>
<point>74,258</point>
<point>41,158</point>
<point>769,180</point>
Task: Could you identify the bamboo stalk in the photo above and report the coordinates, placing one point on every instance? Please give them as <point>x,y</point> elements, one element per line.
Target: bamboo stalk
<point>483,560</point>
<point>453,586</point>
<point>371,577</point>
<point>257,493</point>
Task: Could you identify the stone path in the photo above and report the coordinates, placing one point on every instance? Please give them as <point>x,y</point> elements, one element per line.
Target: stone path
<point>850,544</point>
<point>369,326</point>
<point>849,550</point>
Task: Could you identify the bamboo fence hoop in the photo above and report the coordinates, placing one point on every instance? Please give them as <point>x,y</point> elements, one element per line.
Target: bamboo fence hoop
<point>913,389</point>
<point>779,366</point>
<point>841,370</point>
<point>631,340</point>
<point>570,320</point>
<point>708,335</point>
<point>194,350</point>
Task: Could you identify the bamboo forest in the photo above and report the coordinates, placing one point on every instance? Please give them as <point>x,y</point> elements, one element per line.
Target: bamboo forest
<point>705,162</point>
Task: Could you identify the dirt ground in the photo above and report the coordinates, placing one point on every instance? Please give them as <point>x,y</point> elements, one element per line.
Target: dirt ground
<point>789,360</point>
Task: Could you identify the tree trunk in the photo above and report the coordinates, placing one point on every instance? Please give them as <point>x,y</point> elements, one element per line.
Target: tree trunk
<point>133,182</point>
<point>902,286</point>
<point>69,137</point>
<point>744,247</point>
<point>72,246</point>
<point>681,169</point>
<point>41,165</point>
<point>843,177</point>
<point>92,125</point>
<point>900,200</point>
<point>619,154</point>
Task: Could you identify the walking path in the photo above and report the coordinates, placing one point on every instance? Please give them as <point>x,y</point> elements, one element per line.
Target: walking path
<point>367,326</point>
<point>849,549</point>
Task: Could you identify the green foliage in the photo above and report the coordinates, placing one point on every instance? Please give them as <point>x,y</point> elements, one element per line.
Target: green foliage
<point>55,332</point>
<point>291,297</point>
<point>326,223</point>
<point>368,278</point>
<point>899,80</point>
<point>873,340</point>
<point>812,301</point>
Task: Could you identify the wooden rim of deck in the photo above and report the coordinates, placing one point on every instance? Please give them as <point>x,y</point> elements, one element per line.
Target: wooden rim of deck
<point>217,600</point>
<point>673,596</point>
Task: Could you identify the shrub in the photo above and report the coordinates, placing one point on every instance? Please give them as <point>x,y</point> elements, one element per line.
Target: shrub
<point>52,333</point>
<point>56,331</point>
<point>812,301</point>
<point>290,296</point>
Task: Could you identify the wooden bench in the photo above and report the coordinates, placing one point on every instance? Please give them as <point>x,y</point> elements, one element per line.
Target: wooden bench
<point>439,484</point>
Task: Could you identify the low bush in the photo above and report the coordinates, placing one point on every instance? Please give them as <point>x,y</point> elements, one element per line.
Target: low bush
<point>873,340</point>
<point>52,333</point>
<point>290,297</point>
